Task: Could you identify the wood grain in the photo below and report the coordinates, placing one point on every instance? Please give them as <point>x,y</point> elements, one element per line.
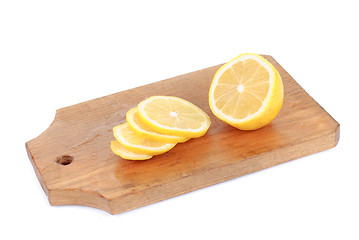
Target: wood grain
<point>98,178</point>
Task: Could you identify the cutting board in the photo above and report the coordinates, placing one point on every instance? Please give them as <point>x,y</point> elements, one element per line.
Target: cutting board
<point>75,165</point>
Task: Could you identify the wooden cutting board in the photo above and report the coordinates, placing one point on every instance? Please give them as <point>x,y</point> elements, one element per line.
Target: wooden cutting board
<point>75,165</point>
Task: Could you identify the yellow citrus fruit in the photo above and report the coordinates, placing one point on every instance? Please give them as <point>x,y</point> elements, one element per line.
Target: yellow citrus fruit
<point>173,116</point>
<point>246,92</point>
<point>147,132</point>
<point>138,144</point>
<point>119,150</point>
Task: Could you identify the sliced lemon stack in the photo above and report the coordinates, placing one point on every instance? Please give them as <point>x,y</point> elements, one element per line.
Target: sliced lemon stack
<point>156,126</point>
<point>120,150</point>
<point>246,92</point>
<point>142,129</point>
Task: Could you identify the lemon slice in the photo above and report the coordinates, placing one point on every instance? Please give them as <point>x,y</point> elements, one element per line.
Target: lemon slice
<point>173,116</point>
<point>246,92</point>
<point>147,132</point>
<point>138,144</point>
<point>119,150</point>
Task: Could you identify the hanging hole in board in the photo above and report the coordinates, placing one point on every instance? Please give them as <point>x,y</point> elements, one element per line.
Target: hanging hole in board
<point>64,159</point>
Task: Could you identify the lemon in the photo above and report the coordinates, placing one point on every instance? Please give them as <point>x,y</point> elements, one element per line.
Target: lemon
<point>138,144</point>
<point>173,116</point>
<point>119,150</point>
<point>246,92</point>
<point>147,132</point>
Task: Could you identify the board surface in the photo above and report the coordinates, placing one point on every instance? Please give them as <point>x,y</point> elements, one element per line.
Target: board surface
<point>75,165</point>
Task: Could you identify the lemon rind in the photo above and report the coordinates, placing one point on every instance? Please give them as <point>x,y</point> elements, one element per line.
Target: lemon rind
<point>124,155</point>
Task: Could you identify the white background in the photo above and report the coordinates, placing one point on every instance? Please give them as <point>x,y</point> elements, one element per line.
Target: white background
<point>58,53</point>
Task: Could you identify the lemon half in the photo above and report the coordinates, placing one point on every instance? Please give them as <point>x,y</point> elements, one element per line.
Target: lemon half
<point>246,92</point>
